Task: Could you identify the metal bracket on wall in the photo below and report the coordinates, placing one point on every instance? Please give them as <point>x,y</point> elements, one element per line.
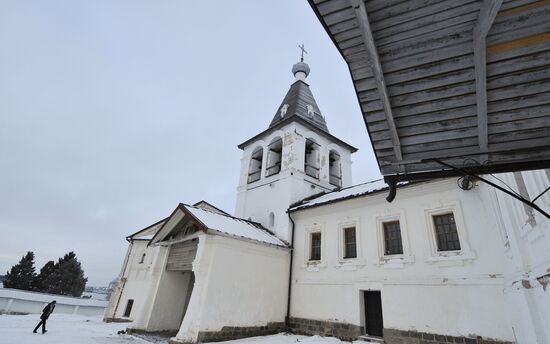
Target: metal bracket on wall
<point>392,184</point>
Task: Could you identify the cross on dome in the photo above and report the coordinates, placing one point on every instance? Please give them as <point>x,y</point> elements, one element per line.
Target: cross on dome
<point>301,69</point>
<point>303,51</point>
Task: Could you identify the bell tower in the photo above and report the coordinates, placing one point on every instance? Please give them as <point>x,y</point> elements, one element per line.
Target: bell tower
<point>295,157</point>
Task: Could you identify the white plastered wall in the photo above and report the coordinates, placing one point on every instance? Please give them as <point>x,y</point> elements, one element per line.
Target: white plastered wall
<point>525,239</point>
<point>237,283</point>
<point>458,295</point>
<point>142,281</point>
<point>138,279</point>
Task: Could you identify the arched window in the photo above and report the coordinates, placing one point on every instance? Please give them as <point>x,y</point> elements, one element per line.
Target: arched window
<point>335,169</point>
<point>271,220</point>
<point>255,168</point>
<point>142,259</point>
<point>311,164</point>
<point>274,153</point>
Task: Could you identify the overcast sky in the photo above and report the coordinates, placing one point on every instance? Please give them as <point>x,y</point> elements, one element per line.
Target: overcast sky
<point>112,112</point>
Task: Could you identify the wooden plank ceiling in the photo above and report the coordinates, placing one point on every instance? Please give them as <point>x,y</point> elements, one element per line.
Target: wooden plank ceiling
<point>464,81</point>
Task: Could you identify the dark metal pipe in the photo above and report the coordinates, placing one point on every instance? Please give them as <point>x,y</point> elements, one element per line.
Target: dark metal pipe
<point>287,318</point>
<point>392,184</point>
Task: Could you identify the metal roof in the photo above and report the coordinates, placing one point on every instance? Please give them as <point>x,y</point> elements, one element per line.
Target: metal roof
<point>298,98</point>
<point>351,192</point>
<point>466,82</point>
<point>216,223</point>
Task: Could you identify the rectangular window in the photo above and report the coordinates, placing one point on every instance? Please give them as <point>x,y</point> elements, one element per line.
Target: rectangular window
<point>446,233</point>
<point>350,246</point>
<point>392,238</point>
<point>315,252</point>
<point>128,309</point>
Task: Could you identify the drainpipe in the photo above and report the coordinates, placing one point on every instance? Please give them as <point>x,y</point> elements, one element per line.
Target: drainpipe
<point>287,318</point>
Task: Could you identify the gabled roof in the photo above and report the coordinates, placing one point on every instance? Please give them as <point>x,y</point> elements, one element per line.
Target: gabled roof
<point>217,224</point>
<point>205,205</point>
<point>297,100</point>
<point>148,232</point>
<point>355,191</point>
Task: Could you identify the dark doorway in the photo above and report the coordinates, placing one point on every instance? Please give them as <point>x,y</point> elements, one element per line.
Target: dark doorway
<point>373,313</point>
<point>128,309</point>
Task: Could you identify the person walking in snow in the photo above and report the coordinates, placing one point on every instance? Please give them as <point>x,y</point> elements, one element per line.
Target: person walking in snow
<point>45,315</point>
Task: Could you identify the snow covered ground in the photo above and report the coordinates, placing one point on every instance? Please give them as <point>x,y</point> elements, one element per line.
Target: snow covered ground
<point>71,329</point>
<point>62,329</point>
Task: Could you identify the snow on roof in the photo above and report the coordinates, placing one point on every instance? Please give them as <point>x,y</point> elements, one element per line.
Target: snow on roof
<point>343,194</point>
<point>234,226</point>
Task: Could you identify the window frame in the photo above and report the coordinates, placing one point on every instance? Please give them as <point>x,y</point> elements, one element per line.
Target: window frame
<point>345,244</point>
<point>438,235</point>
<point>320,247</point>
<point>465,253</point>
<point>393,261</point>
<point>385,229</point>
<point>314,265</point>
<point>349,264</point>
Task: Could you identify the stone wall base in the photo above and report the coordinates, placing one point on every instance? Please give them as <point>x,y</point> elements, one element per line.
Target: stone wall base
<point>392,336</point>
<point>343,331</point>
<point>13,313</point>
<point>117,320</point>
<point>237,332</point>
<point>168,333</point>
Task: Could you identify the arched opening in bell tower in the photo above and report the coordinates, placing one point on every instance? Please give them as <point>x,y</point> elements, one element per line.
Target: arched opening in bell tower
<point>274,154</point>
<point>311,163</point>
<point>255,167</point>
<point>335,169</point>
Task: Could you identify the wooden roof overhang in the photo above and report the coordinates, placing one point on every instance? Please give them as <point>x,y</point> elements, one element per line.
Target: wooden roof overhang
<point>465,83</point>
<point>147,230</point>
<point>179,217</point>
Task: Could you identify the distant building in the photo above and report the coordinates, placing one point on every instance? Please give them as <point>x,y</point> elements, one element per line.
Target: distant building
<point>439,263</point>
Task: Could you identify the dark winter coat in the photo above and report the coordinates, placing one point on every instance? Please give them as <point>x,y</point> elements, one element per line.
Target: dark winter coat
<point>47,311</point>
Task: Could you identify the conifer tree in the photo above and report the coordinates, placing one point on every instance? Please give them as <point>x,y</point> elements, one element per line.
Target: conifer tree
<point>40,282</point>
<point>22,274</point>
<point>67,277</point>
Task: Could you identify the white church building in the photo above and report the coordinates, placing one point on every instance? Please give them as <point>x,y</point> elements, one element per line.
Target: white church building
<point>309,252</point>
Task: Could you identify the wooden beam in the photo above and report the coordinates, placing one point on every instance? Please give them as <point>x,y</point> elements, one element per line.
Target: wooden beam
<point>487,15</point>
<point>374,62</point>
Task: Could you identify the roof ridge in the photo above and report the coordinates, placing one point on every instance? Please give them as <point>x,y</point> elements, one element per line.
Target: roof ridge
<point>312,203</point>
<point>256,224</point>
<point>210,204</point>
<point>323,193</point>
